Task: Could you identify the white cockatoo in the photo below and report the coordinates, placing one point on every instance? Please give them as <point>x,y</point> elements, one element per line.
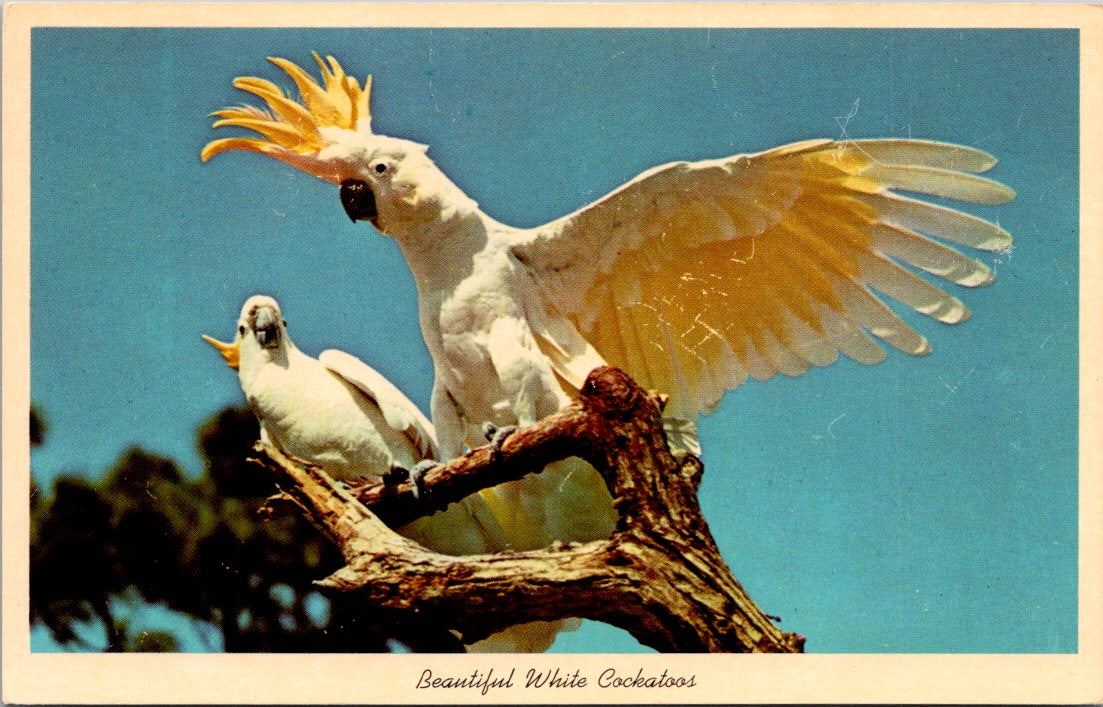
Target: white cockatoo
<point>342,415</point>
<point>337,412</point>
<point>692,277</point>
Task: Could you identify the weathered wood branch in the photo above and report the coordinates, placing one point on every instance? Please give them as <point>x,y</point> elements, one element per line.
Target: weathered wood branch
<point>660,575</point>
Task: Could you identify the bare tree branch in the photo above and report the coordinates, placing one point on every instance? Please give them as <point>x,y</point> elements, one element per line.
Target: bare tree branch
<point>659,576</point>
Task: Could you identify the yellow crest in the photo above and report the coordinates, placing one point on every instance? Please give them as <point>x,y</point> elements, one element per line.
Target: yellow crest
<point>291,125</point>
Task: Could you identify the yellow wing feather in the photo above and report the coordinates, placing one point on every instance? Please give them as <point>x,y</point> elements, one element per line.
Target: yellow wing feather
<point>693,277</point>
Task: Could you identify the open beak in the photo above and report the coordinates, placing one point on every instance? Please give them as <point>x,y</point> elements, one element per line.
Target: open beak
<point>230,352</point>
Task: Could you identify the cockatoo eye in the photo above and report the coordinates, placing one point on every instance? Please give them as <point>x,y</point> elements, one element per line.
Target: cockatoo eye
<point>380,167</point>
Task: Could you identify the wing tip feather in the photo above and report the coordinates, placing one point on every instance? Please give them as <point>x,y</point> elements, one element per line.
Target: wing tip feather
<point>981,276</point>
<point>999,239</point>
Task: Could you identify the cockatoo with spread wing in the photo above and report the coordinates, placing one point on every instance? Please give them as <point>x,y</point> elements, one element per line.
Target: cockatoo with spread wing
<point>692,277</point>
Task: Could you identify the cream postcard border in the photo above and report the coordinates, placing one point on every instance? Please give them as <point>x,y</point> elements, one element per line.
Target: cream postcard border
<point>309,678</point>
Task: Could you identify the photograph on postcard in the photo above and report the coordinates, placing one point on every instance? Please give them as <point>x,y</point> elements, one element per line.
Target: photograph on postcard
<point>842,261</point>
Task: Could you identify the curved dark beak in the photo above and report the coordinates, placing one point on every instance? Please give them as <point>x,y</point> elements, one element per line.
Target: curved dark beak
<point>266,327</point>
<point>358,200</point>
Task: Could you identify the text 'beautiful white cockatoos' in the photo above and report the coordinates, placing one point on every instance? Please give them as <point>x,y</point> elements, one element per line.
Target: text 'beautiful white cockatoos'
<point>692,277</point>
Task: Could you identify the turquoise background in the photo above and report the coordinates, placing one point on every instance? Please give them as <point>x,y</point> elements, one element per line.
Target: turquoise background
<point>921,505</point>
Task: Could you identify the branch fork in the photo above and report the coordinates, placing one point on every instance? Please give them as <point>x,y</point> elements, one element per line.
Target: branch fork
<point>659,576</point>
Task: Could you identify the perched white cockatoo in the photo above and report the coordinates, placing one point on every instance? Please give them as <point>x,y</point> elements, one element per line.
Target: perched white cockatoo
<point>691,277</point>
<point>339,413</point>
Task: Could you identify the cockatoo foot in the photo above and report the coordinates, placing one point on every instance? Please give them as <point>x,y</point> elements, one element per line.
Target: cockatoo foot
<point>417,477</point>
<point>395,475</point>
<point>497,437</point>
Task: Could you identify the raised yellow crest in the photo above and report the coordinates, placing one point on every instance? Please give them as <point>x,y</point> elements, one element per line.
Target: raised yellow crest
<point>291,125</point>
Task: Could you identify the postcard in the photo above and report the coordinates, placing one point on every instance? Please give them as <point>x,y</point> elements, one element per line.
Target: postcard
<point>802,286</point>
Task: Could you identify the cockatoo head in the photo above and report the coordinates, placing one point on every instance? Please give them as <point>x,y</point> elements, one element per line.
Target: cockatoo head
<point>388,181</point>
<point>261,334</point>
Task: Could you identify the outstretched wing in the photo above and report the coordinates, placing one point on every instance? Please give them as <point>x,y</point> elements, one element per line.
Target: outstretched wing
<point>694,276</point>
<point>399,412</point>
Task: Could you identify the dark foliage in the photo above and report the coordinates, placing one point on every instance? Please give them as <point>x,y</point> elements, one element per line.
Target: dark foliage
<point>147,533</point>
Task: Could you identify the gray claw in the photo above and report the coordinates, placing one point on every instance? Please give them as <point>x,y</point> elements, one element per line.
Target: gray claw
<point>417,478</point>
<point>395,475</point>
<point>497,437</point>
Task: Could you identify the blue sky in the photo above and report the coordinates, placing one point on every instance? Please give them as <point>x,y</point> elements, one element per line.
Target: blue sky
<point>907,507</point>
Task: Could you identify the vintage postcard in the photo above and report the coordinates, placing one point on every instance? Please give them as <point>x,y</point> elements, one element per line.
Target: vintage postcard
<point>847,245</point>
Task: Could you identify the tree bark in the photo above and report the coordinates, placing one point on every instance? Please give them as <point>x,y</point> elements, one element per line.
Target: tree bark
<point>660,575</point>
